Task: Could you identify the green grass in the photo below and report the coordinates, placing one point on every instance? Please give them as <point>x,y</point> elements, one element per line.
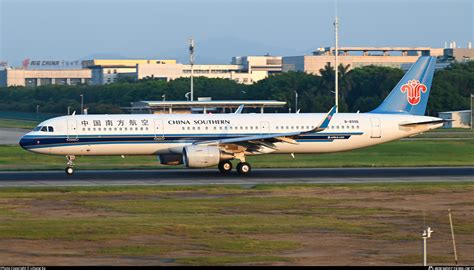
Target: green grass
<point>231,260</point>
<point>398,153</point>
<point>209,225</point>
<point>16,123</point>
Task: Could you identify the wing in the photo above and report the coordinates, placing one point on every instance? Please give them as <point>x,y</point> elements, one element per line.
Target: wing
<point>260,144</point>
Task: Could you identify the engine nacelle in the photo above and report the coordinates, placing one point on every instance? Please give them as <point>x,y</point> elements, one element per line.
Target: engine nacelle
<point>201,156</point>
<point>170,159</point>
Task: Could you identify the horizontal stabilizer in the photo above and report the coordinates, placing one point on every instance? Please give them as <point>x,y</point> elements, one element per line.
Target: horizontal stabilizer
<point>434,122</point>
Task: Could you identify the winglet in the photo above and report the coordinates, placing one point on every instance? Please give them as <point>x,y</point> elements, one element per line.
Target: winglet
<point>325,123</point>
<point>240,109</point>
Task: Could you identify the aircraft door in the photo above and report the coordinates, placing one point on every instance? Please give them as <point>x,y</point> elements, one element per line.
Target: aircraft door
<point>159,129</point>
<point>376,128</point>
<point>71,130</point>
<point>264,128</point>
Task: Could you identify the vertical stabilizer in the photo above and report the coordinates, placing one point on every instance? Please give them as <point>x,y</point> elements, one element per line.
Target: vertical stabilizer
<point>411,93</point>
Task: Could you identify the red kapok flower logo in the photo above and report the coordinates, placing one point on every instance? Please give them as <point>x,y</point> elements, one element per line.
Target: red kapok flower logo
<point>413,89</point>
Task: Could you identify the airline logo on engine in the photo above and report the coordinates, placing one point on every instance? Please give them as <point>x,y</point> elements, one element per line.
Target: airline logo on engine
<point>413,89</point>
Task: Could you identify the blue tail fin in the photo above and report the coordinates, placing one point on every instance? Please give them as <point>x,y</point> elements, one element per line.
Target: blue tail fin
<point>411,93</point>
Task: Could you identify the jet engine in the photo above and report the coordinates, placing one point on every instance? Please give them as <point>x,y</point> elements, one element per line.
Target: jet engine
<point>170,159</point>
<point>200,156</point>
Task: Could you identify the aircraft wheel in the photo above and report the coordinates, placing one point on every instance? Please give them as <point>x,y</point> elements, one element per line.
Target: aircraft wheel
<point>69,170</point>
<point>225,166</point>
<point>244,168</point>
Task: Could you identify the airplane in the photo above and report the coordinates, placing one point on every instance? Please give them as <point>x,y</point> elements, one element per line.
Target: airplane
<point>205,140</point>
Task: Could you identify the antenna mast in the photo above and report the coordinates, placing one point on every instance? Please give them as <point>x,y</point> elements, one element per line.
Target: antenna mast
<point>336,54</point>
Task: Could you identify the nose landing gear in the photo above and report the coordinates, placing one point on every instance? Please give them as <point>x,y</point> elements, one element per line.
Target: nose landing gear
<point>70,165</point>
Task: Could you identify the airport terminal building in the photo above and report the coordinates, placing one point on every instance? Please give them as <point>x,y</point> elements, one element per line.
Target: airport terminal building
<point>243,69</point>
<point>395,57</point>
<point>38,77</point>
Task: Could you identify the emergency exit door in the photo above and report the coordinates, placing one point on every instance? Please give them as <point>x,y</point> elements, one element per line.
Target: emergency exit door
<point>376,128</point>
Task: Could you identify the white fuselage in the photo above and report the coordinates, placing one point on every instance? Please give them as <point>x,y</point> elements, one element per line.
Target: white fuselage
<point>146,134</point>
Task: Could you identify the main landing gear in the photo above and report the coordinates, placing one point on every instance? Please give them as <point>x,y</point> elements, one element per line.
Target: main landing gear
<point>70,165</point>
<point>243,168</point>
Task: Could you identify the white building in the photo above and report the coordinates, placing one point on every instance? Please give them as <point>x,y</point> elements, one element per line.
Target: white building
<point>395,57</point>
<point>38,77</point>
<point>105,71</point>
<point>244,69</point>
<point>173,71</point>
<point>460,119</point>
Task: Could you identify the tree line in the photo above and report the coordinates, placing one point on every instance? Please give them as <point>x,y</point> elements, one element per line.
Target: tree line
<point>361,89</point>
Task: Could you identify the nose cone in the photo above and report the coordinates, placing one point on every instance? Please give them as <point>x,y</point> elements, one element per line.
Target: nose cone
<point>25,142</point>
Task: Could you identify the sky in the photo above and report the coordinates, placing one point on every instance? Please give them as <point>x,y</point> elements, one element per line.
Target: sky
<point>160,29</point>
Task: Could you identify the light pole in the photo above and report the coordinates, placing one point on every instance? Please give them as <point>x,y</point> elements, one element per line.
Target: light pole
<point>191,62</point>
<point>296,101</point>
<point>426,234</point>
<point>68,110</point>
<point>82,104</point>
<point>37,111</point>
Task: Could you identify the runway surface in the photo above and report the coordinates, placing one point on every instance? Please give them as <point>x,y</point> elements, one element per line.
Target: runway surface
<point>257,176</point>
<point>11,135</point>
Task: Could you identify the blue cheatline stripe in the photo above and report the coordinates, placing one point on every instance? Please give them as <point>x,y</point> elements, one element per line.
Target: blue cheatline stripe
<point>132,142</point>
<point>186,135</point>
<point>32,142</point>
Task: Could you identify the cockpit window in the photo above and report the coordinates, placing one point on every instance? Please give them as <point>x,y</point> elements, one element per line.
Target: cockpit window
<point>44,129</point>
